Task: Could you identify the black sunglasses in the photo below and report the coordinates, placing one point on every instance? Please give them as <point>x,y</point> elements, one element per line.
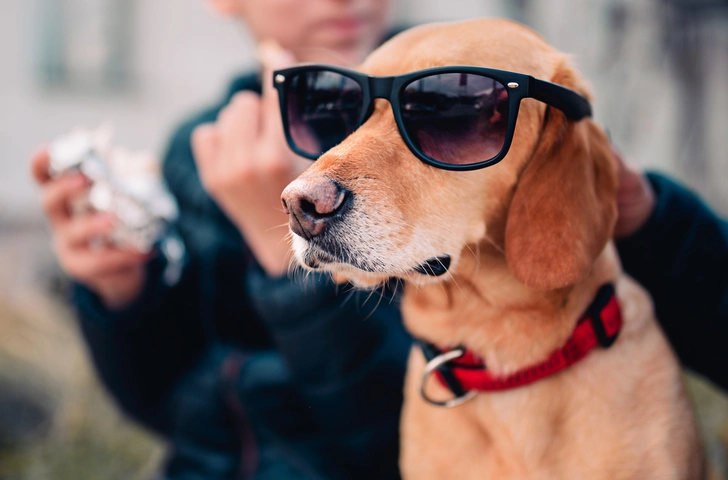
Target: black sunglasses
<point>455,118</point>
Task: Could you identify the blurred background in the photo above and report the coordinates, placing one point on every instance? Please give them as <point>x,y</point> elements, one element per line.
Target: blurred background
<point>659,70</point>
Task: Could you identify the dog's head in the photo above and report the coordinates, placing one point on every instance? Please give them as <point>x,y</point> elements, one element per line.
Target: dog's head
<point>368,209</point>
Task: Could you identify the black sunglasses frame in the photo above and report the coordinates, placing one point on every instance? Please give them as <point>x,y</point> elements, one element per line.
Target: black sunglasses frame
<point>518,85</point>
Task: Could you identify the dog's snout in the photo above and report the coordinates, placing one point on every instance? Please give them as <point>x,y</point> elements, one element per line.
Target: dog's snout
<point>313,203</point>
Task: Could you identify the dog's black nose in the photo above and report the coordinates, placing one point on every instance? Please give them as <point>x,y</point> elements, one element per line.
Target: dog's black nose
<point>313,203</point>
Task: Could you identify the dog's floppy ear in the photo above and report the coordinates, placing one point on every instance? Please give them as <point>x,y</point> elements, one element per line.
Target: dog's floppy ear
<point>564,206</point>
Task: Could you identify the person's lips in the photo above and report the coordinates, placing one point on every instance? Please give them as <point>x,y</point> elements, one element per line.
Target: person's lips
<point>346,26</point>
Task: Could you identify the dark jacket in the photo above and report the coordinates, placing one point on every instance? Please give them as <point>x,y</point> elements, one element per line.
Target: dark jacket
<point>681,256</point>
<point>301,375</point>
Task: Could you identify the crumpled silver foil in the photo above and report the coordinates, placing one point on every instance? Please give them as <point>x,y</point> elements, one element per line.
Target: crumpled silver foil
<point>126,184</point>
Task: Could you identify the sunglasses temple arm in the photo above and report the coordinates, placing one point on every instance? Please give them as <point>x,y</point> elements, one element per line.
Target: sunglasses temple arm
<point>574,106</point>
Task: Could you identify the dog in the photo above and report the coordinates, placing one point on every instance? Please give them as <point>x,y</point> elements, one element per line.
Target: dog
<point>502,265</point>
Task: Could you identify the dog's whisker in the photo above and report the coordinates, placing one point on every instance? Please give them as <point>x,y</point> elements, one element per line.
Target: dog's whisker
<point>381,288</point>
<point>369,295</point>
<point>292,265</point>
<point>352,291</point>
<point>476,255</point>
<point>454,281</point>
<point>397,282</point>
<point>274,227</point>
<point>495,245</point>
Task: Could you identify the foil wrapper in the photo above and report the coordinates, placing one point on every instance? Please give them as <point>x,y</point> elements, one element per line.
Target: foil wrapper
<point>126,184</point>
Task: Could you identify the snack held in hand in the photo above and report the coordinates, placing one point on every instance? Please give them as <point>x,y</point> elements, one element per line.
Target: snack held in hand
<point>123,183</point>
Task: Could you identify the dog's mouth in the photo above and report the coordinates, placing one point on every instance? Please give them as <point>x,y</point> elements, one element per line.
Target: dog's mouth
<point>318,258</point>
<point>434,267</point>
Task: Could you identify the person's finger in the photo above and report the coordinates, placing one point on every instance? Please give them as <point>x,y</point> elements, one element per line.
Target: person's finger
<point>205,145</point>
<point>635,198</point>
<point>56,195</point>
<point>629,177</point>
<point>39,163</point>
<point>272,57</point>
<point>86,263</point>
<point>83,229</point>
<point>621,164</point>
<point>239,126</point>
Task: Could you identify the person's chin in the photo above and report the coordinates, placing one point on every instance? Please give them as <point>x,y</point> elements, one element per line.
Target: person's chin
<point>351,42</point>
<point>344,53</point>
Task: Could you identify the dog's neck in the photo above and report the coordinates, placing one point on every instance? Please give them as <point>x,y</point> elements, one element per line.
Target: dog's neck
<point>485,309</point>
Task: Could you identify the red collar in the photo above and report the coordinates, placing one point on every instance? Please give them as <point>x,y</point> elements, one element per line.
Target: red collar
<point>599,325</point>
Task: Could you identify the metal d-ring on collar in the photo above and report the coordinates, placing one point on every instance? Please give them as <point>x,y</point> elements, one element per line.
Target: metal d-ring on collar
<point>433,365</point>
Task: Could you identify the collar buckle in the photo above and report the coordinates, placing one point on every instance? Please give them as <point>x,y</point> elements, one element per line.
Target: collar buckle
<point>461,397</point>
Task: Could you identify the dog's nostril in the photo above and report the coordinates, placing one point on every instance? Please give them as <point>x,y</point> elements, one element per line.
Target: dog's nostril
<point>309,208</point>
<point>324,202</point>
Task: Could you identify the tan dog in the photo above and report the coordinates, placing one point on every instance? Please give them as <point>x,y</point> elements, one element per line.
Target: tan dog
<point>529,245</point>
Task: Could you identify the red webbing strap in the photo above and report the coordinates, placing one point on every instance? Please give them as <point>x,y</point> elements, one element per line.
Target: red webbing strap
<point>600,325</point>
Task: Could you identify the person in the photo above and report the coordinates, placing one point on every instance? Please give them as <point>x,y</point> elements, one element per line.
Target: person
<point>246,370</point>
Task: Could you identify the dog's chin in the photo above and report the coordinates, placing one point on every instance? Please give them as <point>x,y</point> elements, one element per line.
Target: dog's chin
<point>340,272</point>
<point>364,280</point>
<point>369,280</point>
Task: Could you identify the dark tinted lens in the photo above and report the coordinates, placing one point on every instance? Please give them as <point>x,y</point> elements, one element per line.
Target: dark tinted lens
<point>323,109</point>
<point>456,118</point>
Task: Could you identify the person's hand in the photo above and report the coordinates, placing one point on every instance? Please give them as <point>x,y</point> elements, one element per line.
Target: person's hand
<point>244,163</point>
<point>635,199</point>
<point>116,275</point>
